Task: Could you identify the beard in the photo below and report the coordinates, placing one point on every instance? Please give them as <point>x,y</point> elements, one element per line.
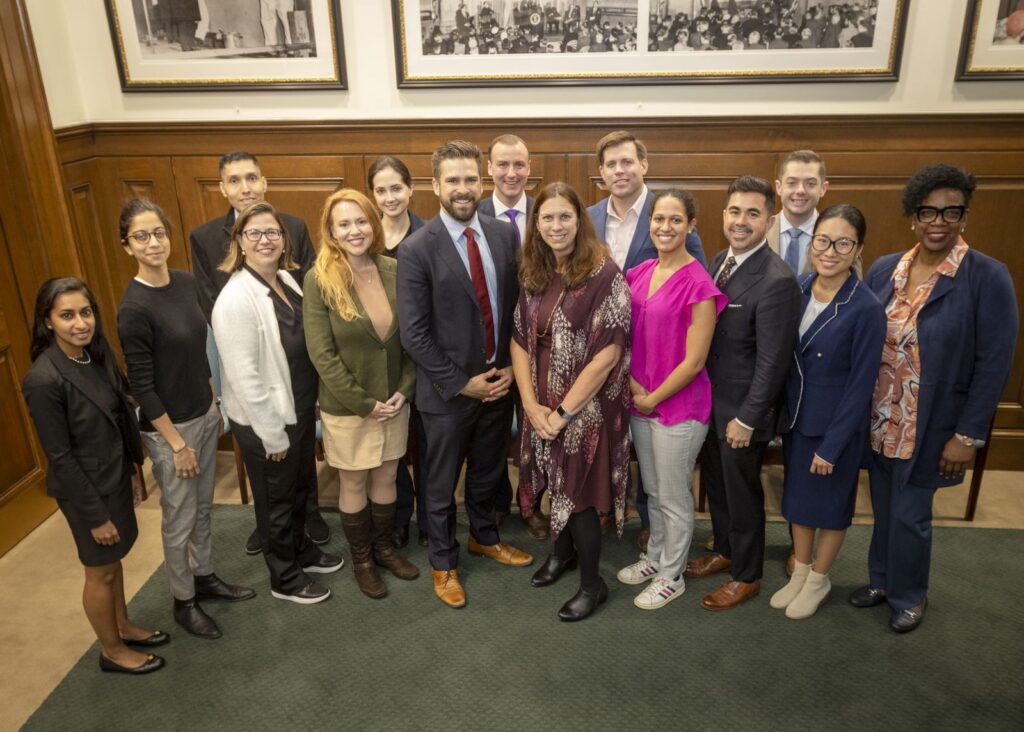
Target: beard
<point>448,205</point>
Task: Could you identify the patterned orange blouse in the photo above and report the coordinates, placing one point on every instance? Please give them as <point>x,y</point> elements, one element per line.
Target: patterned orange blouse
<point>894,408</point>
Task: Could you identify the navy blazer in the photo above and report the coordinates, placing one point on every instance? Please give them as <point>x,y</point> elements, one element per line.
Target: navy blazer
<point>967,332</point>
<point>835,368</point>
<point>642,248</point>
<point>486,207</point>
<point>84,445</point>
<point>442,327</point>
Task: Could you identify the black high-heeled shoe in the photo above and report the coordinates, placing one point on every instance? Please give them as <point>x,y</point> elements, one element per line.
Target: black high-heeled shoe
<point>152,663</point>
<point>583,604</point>
<point>552,569</point>
<point>158,638</point>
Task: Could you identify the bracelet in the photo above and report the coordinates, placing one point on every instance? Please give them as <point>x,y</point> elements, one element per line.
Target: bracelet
<point>180,449</point>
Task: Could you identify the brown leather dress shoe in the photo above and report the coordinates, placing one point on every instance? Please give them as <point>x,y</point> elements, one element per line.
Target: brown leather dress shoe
<point>730,595</point>
<point>710,543</point>
<point>708,565</point>
<point>501,553</point>
<point>448,588</point>
<point>537,525</point>
<point>643,539</point>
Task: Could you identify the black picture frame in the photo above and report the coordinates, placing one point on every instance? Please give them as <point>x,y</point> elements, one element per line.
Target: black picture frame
<point>970,65</point>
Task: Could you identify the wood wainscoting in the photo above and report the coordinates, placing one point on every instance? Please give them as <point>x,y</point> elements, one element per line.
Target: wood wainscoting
<point>868,158</point>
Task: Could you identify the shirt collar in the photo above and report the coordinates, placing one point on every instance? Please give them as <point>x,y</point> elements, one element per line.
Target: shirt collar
<point>457,229</point>
<point>741,258</point>
<point>500,208</point>
<point>807,227</point>
<point>948,267</point>
<point>637,207</point>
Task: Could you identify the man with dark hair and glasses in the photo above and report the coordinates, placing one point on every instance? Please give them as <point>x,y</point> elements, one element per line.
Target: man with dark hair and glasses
<point>242,183</point>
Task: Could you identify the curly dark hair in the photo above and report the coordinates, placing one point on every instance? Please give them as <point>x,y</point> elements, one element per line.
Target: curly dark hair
<point>932,178</point>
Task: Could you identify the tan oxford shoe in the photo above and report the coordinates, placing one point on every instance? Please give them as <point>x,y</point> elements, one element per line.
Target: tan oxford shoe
<point>730,595</point>
<point>501,553</point>
<point>448,588</point>
<point>708,565</point>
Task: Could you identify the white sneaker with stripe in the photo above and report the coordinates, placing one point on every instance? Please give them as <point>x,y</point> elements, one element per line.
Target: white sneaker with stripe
<point>660,593</point>
<point>637,572</point>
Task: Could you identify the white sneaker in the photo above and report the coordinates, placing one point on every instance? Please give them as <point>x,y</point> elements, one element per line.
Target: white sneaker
<point>660,593</point>
<point>638,572</point>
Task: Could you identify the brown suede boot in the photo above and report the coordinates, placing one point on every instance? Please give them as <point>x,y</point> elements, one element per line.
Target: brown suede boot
<point>358,529</point>
<point>384,552</point>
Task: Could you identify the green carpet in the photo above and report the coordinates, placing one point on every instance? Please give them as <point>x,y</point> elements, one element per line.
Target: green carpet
<point>505,662</point>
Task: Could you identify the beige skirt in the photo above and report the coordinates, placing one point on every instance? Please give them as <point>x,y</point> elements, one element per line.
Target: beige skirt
<point>363,443</point>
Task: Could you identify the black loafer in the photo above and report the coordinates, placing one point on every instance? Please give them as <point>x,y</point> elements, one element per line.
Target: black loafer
<point>904,621</point>
<point>582,604</point>
<point>158,638</point>
<point>867,596</point>
<point>552,569</point>
<point>191,617</point>
<point>252,544</point>
<point>212,587</point>
<point>325,564</point>
<point>400,536</point>
<point>317,529</point>
<point>152,663</point>
<point>422,538</point>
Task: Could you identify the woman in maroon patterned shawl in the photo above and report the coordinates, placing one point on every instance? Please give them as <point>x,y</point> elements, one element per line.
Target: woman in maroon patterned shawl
<point>571,364</point>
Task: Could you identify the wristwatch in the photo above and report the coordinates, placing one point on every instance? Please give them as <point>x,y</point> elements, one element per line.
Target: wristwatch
<point>564,413</point>
<point>969,441</point>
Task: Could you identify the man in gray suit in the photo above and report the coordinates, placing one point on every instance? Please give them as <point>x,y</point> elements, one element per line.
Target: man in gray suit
<point>457,291</point>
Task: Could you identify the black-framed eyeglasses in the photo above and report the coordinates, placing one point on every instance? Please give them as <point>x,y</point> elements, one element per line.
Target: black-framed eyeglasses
<point>254,235</point>
<point>949,214</point>
<point>142,237</point>
<point>842,245</point>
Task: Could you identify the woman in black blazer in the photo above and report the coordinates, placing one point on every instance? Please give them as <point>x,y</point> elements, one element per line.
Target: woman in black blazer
<point>77,398</point>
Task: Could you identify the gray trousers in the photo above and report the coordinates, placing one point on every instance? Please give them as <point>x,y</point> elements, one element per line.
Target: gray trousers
<point>186,501</point>
<point>667,455</point>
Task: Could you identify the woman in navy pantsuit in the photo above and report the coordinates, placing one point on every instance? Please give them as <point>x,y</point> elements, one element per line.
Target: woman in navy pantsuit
<point>828,395</point>
<point>951,321</point>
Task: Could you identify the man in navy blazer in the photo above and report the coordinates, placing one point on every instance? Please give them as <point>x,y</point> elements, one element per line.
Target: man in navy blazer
<point>457,292</point>
<point>623,223</point>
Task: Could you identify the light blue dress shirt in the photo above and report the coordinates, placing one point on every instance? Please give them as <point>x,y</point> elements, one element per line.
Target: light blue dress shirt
<point>457,231</point>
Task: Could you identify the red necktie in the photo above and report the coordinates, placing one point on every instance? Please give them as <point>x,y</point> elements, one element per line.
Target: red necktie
<point>476,271</point>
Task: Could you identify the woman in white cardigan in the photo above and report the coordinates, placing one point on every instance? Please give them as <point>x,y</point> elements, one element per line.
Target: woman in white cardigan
<point>269,390</point>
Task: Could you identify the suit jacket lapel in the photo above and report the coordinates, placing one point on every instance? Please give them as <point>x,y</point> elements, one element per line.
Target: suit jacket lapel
<point>74,375</point>
<point>642,232</point>
<point>450,256</point>
<point>229,222</point>
<point>831,311</point>
<point>747,275</point>
<point>942,288</point>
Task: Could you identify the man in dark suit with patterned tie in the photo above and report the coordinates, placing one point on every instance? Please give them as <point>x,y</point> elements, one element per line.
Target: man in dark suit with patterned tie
<point>748,362</point>
<point>457,291</point>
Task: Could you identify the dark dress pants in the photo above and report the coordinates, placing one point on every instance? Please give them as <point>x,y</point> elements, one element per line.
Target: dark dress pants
<point>736,499</point>
<point>410,492</point>
<point>899,559</point>
<point>280,491</point>
<point>503,497</point>
<point>476,435</point>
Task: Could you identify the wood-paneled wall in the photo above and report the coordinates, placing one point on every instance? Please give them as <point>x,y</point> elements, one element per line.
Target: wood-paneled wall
<point>868,160</point>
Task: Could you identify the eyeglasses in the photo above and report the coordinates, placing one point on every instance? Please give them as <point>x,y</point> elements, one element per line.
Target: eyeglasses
<point>254,235</point>
<point>842,245</point>
<point>142,237</point>
<point>949,214</point>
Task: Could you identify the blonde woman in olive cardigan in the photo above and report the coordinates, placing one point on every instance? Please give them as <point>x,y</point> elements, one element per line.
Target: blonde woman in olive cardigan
<point>366,379</point>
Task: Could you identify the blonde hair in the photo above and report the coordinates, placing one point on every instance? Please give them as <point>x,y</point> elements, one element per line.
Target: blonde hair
<point>332,270</point>
<point>236,256</point>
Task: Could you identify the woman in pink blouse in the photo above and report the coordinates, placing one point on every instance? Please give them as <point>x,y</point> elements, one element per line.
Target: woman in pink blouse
<point>675,306</point>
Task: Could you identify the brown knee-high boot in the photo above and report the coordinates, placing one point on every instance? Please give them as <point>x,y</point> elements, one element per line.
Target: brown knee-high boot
<point>384,552</point>
<point>358,529</point>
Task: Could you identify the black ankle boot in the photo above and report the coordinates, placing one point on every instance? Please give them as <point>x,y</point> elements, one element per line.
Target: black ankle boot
<point>191,617</point>
<point>583,604</point>
<point>552,569</point>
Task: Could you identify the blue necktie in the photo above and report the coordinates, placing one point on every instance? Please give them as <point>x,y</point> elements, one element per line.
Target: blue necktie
<point>792,257</point>
<point>512,213</point>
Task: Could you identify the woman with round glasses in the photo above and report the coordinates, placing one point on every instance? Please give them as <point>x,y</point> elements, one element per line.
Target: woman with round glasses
<point>270,391</point>
<point>163,337</point>
<point>828,395</point>
<point>951,321</point>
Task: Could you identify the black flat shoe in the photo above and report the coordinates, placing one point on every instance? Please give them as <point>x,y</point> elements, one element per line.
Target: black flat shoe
<point>317,529</point>
<point>158,638</point>
<point>400,536</point>
<point>582,604</point>
<point>191,617</point>
<point>867,596</point>
<point>552,569</point>
<point>422,538</point>
<point>904,621</point>
<point>252,544</point>
<point>152,663</point>
<point>212,587</point>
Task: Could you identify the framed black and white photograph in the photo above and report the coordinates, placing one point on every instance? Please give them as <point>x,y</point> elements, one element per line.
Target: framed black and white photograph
<point>993,41</point>
<point>578,42</point>
<point>169,45</point>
